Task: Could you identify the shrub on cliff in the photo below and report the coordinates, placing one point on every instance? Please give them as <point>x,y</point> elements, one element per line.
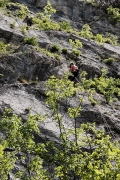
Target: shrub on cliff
<point>3,3</point>
<point>83,152</point>
<point>30,41</point>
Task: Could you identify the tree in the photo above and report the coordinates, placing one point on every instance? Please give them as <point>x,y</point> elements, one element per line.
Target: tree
<point>19,137</point>
<point>82,153</point>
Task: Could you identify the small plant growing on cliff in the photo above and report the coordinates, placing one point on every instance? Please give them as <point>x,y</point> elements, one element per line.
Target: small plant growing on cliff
<point>109,60</point>
<point>98,38</point>
<point>30,41</point>
<point>23,29</point>
<point>21,11</point>
<point>107,86</point>
<point>3,47</point>
<point>110,38</point>
<point>12,25</point>
<point>22,80</point>
<point>56,56</point>
<point>91,97</point>
<point>86,32</point>
<point>65,26</point>
<point>113,14</point>
<point>76,53</point>
<point>45,51</point>
<point>65,51</point>
<point>49,10</point>
<point>3,3</point>
<point>55,48</point>
<point>76,45</point>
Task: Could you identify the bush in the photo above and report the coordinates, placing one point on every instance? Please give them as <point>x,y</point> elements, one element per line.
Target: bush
<point>113,14</point>
<point>56,56</point>
<point>3,3</point>
<point>76,53</point>
<point>46,24</point>
<point>23,29</point>
<point>98,38</point>
<point>65,51</point>
<point>49,10</point>
<point>3,48</point>
<point>45,51</point>
<point>109,60</point>
<point>54,48</point>
<point>75,43</point>
<point>17,10</point>
<point>30,41</point>
<point>64,25</point>
<point>110,38</point>
<point>86,32</point>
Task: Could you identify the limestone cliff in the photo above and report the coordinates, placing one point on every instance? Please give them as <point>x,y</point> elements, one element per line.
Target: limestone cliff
<point>24,65</point>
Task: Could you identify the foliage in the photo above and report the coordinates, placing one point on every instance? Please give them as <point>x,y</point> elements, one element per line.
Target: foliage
<point>45,24</point>
<point>64,50</point>
<point>76,53</point>
<point>49,10</point>
<point>98,38</point>
<point>107,86</point>
<point>57,56</point>
<point>109,60</point>
<point>23,29</point>
<point>76,45</point>
<point>49,54</point>
<point>91,97</point>
<point>86,32</point>
<point>31,41</point>
<point>83,152</point>
<point>3,47</point>
<point>19,137</point>
<point>43,19</point>
<point>111,39</point>
<point>107,38</point>
<point>6,162</point>
<point>21,11</point>
<point>3,3</point>
<point>55,48</point>
<point>58,90</point>
<point>22,80</point>
<point>96,161</point>
<point>113,14</point>
<point>65,26</point>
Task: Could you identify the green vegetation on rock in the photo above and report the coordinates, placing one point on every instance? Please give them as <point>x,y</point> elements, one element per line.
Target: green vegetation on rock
<point>83,152</point>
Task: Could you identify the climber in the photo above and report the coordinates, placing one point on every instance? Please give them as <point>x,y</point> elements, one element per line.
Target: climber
<point>28,20</point>
<point>74,70</point>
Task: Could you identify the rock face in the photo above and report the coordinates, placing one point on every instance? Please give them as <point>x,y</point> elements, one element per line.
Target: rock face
<point>21,68</point>
<point>25,69</point>
<point>78,13</point>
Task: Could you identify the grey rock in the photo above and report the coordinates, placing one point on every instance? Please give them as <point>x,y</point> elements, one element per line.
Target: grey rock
<point>25,71</point>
